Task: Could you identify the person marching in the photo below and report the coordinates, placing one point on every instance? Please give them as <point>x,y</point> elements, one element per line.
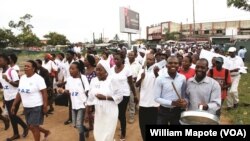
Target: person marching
<point>235,64</point>
<point>10,81</point>
<point>77,87</point>
<point>123,80</point>
<point>148,107</point>
<point>33,94</point>
<point>169,93</point>
<point>203,91</point>
<point>102,94</point>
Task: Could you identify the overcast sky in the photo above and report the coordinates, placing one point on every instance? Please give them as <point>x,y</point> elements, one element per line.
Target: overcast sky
<point>78,19</point>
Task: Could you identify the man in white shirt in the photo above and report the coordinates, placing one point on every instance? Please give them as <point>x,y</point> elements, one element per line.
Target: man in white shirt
<point>135,68</point>
<point>52,69</point>
<point>148,107</point>
<point>77,49</point>
<point>242,52</point>
<point>235,65</point>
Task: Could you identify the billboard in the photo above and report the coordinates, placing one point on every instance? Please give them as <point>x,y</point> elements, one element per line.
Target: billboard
<point>129,21</point>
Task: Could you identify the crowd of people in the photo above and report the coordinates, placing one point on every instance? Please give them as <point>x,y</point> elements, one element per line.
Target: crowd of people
<point>161,82</point>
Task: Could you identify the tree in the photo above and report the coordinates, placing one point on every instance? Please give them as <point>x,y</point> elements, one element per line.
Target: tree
<point>22,24</point>
<point>240,4</point>
<point>56,39</point>
<point>26,37</point>
<point>170,36</point>
<point>7,38</point>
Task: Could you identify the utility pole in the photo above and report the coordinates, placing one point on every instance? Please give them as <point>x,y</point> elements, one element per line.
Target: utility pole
<point>93,37</point>
<point>193,19</point>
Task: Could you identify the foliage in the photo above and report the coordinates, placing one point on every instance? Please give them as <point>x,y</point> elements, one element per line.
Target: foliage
<point>22,24</point>
<point>7,38</point>
<point>26,37</point>
<point>56,38</point>
<point>240,4</point>
<point>172,36</point>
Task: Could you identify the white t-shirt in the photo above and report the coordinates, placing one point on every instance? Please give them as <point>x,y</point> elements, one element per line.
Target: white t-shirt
<point>121,79</point>
<point>77,49</point>
<point>16,67</point>
<point>77,93</point>
<point>66,66</point>
<point>147,89</point>
<point>49,66</point>
<point>135,68</point>
<point>61,69</point>
<point>9,91</point>
<point>29,89</point>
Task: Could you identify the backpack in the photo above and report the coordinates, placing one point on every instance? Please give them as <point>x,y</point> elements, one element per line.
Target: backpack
<point>226,73</point>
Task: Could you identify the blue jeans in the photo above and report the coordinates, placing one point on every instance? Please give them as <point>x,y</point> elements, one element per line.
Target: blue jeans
<point>77,119</point>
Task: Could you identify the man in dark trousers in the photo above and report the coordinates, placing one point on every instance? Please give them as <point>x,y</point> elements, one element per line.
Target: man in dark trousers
<point>45,74</point>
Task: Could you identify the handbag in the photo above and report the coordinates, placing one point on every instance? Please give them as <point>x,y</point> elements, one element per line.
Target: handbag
<point>62,100</point>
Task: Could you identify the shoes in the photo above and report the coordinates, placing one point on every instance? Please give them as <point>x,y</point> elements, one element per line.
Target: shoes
<point>67,122</point>
<point>46,136</point>
<point>87,133</point>
<point>122,138</point>
<point>236,105</point>
<point>6,123</point>
<point>131,120</point>
<point>25,132</point>
<point>13,138</point>
<point>50,111</point>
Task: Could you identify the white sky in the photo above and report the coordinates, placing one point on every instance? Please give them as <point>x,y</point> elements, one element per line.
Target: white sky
<point>78,19</point>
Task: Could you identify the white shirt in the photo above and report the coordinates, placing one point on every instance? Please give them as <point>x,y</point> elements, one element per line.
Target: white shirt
<point>235,63</point>
<point>242,53</point>
<point>66,66</point>
<point>16,67</point>
<point>30,90</point>
<point>61,69</point>
<point>147,88</point>
<point>77,92</point>
<point>77,49</point>
<point>9,91</point>
<point>49,66</point>
<point>135,68</point>
<point>121,79</point>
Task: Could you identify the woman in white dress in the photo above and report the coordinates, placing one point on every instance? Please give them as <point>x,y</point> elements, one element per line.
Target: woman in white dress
<point>102,94</point>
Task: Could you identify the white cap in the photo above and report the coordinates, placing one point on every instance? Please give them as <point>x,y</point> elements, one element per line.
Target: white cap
<point>142,50</point>
<point>158,46</point>
<point>232,49</point>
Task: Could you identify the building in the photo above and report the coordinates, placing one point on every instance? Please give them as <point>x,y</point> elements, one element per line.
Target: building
<point>214,31</point>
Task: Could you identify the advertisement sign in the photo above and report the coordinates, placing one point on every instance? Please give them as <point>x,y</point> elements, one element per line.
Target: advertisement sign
<point>129,21</point>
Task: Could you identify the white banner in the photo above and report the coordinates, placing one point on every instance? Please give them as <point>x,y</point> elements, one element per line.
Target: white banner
<point>209,55</point>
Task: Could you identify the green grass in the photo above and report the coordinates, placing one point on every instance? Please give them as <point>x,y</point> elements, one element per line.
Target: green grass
<point>23,57</point>
<point>242,113</point>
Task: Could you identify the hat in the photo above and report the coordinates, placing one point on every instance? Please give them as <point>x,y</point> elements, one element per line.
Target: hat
<point>48,56</point>
<point>142,50</point>
<point>219,59</point>
<point>232,49</point>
